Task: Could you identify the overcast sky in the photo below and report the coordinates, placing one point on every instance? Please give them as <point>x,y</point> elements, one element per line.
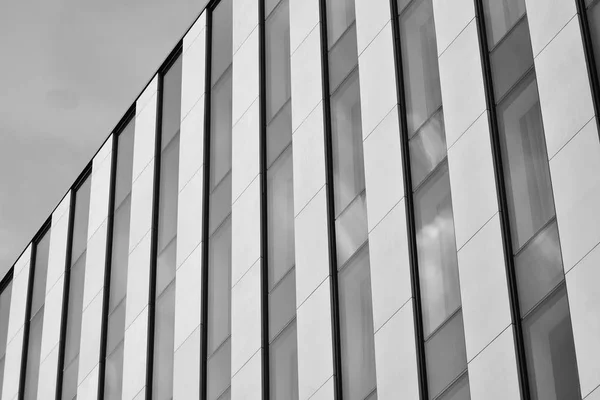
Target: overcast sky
<point>69,71</point>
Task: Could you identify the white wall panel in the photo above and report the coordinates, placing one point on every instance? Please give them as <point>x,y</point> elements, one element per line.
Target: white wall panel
<point>195,30</point>
<point>144,132</point>
<point>584,303</point>
<point>191,143</point>
<point>188,297</point>
<point>245,233</point>
<point>95,264</point>
<point>142,192</point>
<point>88,389</point>
<point>245,20</point>
<point>193,69</point>
<point>186,368</point>
<point>138,280</point>
<point>52,318</point>
<point>564,89</point>
<point>304,15</point>
<point>546,18</point>
<point>134,357</point>
<point>100,188</point>
<point>57,253</point>
<point>189,217</point>
<point>246,384</point>
<point>245,149</point>
<point>245,78</point>
<point>371,17</point>
<point>451,17</point>
<point>48,375</point>
<point>89,352</point>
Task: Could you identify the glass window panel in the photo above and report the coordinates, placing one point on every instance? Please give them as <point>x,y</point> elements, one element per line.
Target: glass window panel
<point>593,15</point>
<point>280,202</point>
<point>33,355</point>
<point>116,327</point>
<point>436,250</point>
<point>279,133</point>
<point>351,229</point>
<point>550,350</point>
<point>349,175</point>
<point>80,224</point>
<point>340,15</point>
<point>420,64</point>
<point>277,32</point>
<point>226,395</point>
<point>458,391</point>
<point>526,171</point>
<point>282,304</point>
<point>220,203</point>
<point>220,132</point>
<point>74,313</point>
<point>171,103</point>
<point>113,379</point>
<point>500,16</point>
<point>356,328</point>
<point>283,356</point>
<point>402,5</point>
<point>219,371</point>
<point>270,5</point>
<point>69,385</point>
<point>343,57</point>
<point>222,38</point>
<point>539,268</point>
<point>167,214</point>
<point>165,267</point>
<point>163,345</point>
<point>219,286</point>
<point>446,355</point>
<point>40,271</point>
<point>427,148</point>
<point>124,163</point>
<point>511,59</point>
<point>120,254</point>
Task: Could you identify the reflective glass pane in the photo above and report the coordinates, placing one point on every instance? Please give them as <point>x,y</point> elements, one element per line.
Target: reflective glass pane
<point>279,133</point>
<point>511,59</point>
<point>550,350</point>
<point>124,163</point>
<point>356,328</point>
<point>343,57</point>
<point>113,378</point>
<point>283,360</point>
<point>402,5</point>
<point>220,130</point>
<point>40,271</point>
<point>220,204</point>
<point>164,334</point>
<point>500,16</point>
<point>539,268</point>
<point>349,176</point>
<point>446,355</point>
<point>282,304</point>
<point>420,64</point>
<point>116,328</point>
<point>219,371</point>
<point>351,229</point>
<point>33,356</point>
<point>526,171</point>
<point>80,224</point>
<point>458,391</point>
<point>277,35</point>
<point>340,15</point>
<point>167,206</point>
<point>427,148</point>
<point>69,385</point>
<point>171,103</point>
<point>270,5</point>
<point>593,15</point>
<point>436,250</point>
<point>219,286</point>
<point>280,203</point>
<point>120,254</point>
<point>74,313</point>
<point>222,38</point>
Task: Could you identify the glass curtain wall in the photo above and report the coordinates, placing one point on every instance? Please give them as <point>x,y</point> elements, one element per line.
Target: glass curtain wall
<point>70,363</point>
<point>218,324</point>
<point>352,248</point>
<point>35,319</point>
<point>164,300</point>
<point>113,364</point>
<point>443,330</point>
<point>542,297</point>
<point>283,346</point>
<point>4,313</point>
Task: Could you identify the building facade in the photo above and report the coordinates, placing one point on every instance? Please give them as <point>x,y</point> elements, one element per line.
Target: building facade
<point>332,199</point>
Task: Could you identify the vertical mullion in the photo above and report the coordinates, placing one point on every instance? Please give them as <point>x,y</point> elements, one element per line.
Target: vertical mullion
<point>262,143</point>
<point>329,191</point>
<point>502,203</point>
<point>588,50</point>
<point>409,208</point>
<point>205,207</point>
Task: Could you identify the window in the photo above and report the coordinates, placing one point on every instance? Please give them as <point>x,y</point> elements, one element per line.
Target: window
<point>164,310</point>
<point>357,348</point>
<point>218,245</point>
<point>36,315</point>
<point>113,367</point>
<point>283,351</point>
<point>593,16</point>
<point>546,323</point>
<point>76,279</point>
<point>5,293</point>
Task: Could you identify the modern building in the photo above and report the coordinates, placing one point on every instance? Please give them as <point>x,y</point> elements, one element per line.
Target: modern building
<point>332,199</point>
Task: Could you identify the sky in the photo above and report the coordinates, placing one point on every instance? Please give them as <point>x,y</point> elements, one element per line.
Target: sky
<point>69,71</point>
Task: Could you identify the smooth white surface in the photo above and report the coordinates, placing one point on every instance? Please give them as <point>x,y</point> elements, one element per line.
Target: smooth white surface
<point>99,192</point>
<point>12,366</point>
<point>144,137</point>
<point>245,232</point>
<point>193,71</point>
<point>188,297</point>
<point>18,302</point>
<point>189,217</point>
<point>52,318</point>
<point>48,375</point>
<point>304,15</point>
<point>191,143</point>
<point>546,18</point>
<point>245,139</point>
<point>91,332</point>
<point>186,368</point>
<point>245,78</point>
<point>245,20</point>
<point>134,356</point>
<point>57,252</point>
<point>88,389</point>
<point>142,193</point>
<point>95,264</point>
<point>246,384</point>
<point>451,17</point>
<point>138,280</point>
<point>371,17</point>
